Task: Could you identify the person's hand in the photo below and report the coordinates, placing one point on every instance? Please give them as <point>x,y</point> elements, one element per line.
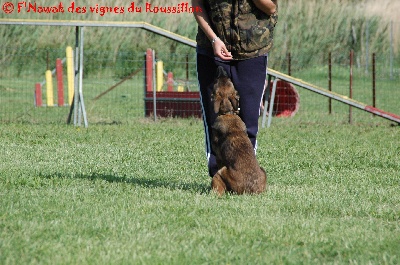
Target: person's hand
<point>220,50</point>
<point>267,6</point>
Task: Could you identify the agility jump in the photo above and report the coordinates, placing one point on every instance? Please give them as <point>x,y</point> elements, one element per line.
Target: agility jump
<point>58,72</point>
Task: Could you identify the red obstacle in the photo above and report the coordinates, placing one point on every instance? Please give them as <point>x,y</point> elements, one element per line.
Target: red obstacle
<point>287,99</point>
<point>60,85</point>
<point>58,71</point>
<point>38,95</point>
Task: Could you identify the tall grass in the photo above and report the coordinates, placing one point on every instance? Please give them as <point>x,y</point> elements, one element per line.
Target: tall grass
<point>309,29</point>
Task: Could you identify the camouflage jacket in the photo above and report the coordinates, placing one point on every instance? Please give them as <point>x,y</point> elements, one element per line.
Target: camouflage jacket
<point>246,31</point>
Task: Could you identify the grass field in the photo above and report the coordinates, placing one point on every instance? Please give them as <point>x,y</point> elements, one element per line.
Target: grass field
<point>139,194</point>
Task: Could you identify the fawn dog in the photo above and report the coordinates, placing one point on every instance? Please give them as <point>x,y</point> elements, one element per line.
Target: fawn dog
<point>239,171</point>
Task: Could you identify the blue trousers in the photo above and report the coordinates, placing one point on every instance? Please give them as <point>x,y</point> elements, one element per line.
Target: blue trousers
<point>249,78</point>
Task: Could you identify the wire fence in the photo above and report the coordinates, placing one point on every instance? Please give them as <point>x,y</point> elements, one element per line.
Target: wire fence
<point>375,84</point>
<point>115,89</point>
<point>115,81</point>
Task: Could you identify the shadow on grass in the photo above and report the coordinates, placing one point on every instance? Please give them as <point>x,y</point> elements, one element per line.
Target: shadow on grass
<point>142,182</point>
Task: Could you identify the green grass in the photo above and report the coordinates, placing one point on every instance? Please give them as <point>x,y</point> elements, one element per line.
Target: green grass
<point>139,194</point>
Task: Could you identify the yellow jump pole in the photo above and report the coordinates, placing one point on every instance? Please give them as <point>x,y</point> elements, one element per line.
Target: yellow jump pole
<point>160,75</point>
<point>70,74</point>
<point>49,89</point>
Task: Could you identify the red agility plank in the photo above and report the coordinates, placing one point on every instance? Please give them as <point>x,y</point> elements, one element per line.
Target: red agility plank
<point>382,113</point>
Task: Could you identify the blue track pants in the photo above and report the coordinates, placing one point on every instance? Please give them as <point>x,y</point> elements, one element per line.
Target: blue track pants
<point>249,78</point>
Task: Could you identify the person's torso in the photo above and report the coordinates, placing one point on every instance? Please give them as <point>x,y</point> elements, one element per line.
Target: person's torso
<point>246,31</point>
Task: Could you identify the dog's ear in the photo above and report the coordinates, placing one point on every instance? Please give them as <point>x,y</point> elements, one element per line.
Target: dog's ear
<point>235,101</point>
<point>217,105</point>
<point>235,104</point>
<point>216,100</point>
<point>221,72</point>
<point>214,94</point>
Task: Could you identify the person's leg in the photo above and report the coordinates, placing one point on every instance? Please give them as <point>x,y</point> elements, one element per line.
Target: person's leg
<point>249,79</point>
<point>206,69</point>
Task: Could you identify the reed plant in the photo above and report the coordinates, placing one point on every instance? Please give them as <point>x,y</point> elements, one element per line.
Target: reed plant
<point>306,29</point>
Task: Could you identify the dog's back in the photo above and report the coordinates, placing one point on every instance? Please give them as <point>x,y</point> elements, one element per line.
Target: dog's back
<point>239,168</point>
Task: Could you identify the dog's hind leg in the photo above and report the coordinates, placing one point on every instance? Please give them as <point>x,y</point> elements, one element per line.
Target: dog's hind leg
<point>217,183</point>
<point>263,181</point>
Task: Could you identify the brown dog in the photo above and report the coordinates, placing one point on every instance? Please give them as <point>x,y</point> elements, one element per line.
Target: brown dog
<point>239,170</point>
<point>224,96</point>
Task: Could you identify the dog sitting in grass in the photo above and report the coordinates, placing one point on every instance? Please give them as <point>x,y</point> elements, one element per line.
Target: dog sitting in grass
<point>239,171</point>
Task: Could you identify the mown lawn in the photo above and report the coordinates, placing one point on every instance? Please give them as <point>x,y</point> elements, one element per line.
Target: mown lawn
<point>139,194</point>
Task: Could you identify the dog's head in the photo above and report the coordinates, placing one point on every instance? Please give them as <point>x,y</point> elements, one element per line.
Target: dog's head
<point>224,96</point>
